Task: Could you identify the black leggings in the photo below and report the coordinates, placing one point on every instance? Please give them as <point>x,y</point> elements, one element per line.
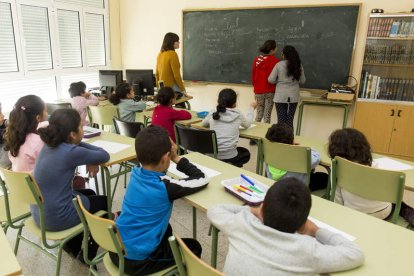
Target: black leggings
<point>160,259</point>
<point>242,157</point>
<point>286,113</point>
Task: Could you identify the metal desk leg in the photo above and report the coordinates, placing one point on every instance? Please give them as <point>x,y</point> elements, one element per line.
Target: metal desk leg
<point>346,111</point>
<point>194,223</point>
<point>108,189</point>
<point>299,123</point>
<point>214,242</point>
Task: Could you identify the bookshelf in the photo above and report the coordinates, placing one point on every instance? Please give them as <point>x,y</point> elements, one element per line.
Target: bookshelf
<point>385,104</point>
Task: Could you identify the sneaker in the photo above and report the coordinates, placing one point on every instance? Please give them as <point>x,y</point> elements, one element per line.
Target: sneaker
<point>407,213</point>
<point>252,143</point>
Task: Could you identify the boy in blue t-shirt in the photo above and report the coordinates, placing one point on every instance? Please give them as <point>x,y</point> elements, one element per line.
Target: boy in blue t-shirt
<point>148,201</point>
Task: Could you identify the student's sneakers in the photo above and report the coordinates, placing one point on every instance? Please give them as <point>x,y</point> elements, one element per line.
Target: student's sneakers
<point>407,213</point>
<point>252,143</point>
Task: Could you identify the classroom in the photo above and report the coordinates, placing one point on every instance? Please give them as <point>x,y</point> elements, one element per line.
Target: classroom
<point>48,45</point>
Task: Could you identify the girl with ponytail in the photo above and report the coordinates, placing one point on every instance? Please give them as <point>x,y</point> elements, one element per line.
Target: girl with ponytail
<point>225,121</point>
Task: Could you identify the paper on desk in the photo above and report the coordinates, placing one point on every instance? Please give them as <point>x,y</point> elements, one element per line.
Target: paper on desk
<point>251,126</point>
<point>110,147</point>
<point>321,224</point>
<point>207,171</point>
<point>390,164</point>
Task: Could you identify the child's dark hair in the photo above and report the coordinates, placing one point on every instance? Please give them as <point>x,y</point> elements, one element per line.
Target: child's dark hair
<point>22,121</point>
<point>151,144</point>
<point>77,88</point>
<point>227,98</point>
<point>280,133</point>
<point>350,144</point>
<point>268,46</point>
<point>165,95</point>
<point>294,65</point>
<point>168,42</point>
<point>286,205</point>
<point>61,123</point>
<point>121,92</point>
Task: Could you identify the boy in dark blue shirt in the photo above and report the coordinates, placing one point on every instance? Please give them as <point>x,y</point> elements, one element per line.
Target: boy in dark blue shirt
<point>148,201</point>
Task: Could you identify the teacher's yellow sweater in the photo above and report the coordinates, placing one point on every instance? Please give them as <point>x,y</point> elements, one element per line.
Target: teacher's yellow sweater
<point>168,69</point>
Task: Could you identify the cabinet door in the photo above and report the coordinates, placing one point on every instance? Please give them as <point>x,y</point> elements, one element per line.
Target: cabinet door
<point>376,122</point>
<point>402,138</point>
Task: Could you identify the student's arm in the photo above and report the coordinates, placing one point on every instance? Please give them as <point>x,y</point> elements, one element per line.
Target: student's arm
<point>180,115</point>
<point>302,78</point>
<point>177,188</point>
<point>86,154</point>
<point>315,158</point>
<point>175,66</point>
<point>206,120</point>
<point>92,100</point>
<point>136,106</point>
<point>273,75</point>
<point>335,253</point>
<point>222,216</point>
<point>247,120</point>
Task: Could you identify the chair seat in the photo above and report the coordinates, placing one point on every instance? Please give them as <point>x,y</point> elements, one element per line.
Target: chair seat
<point>17,211</point>
<point>59,235</point>
<point>113,269</point>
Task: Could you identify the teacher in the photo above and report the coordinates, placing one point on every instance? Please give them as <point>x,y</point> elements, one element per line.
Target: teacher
<point>168,65</point>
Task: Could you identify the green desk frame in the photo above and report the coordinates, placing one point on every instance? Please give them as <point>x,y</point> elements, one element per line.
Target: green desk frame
<point>322,102</point>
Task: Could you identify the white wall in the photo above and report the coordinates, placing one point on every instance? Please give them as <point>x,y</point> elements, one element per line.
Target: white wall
<point>143,24</point>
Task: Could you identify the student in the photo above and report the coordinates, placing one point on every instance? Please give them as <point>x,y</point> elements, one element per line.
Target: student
<point>148,201</point>
<point>287,75</point>
<point>352,145</point>
<point>168,65</point>
<point>21,138</point>
<point>263,90</point>
<point>225,121</point>
<point>82,99</point>
<point>124,98</point>
<point>164,115</point>
<point>282,133</point>
<point>278,238</point>
<point>4,158</point>
<point>54,171</point>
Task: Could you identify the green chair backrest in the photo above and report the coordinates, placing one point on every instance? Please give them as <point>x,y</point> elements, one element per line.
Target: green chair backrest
<point>291,158</point>
<point>102,115</point>
<point>187,262</point>
<point>368,182</point>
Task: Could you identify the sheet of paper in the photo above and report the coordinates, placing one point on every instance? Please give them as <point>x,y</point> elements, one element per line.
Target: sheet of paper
<point>207,171</point>
<point>321,224</point>
<point>110,147</point>
<point>390,164</point>
<point>251,126</point>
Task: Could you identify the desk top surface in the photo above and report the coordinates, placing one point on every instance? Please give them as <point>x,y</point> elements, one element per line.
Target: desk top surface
<point>386,246</point>
<point>8,261</point>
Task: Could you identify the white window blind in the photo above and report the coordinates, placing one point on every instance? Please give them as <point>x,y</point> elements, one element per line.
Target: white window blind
<point>69,39</point>
<point>95,39</point>
<point>8,57</point>
<point>45,88</point>
<point>90,79</point>
<point>37,47</point>
<point>89,3</point>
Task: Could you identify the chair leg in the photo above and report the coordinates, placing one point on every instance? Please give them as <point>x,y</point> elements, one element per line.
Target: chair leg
<point>96,184</point>
<point>59,259</point>
<point>16,245</point>
<point>214,242</point>
<point>194,223</point>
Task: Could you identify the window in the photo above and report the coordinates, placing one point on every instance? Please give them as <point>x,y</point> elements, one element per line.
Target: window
<point>95,39</point>
<point>90,79</point>
<point>89,3</point>
<point>8,56</point>
<point>69,39</point>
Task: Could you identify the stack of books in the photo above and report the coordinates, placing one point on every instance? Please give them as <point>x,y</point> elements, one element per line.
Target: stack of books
<point>391,27</point>
<point>386,54</point>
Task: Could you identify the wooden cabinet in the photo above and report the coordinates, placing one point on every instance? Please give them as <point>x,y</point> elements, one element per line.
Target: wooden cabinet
<point>402,138</point>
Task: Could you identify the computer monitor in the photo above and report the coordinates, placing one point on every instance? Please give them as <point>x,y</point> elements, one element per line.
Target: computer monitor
<point>108,80</point>
<point>143,81</point>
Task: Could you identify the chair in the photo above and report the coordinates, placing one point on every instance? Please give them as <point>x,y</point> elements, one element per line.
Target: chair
<point>369,183</point>
<point>188,263</point>
<point>55,106</point>
<point>199,140</point>
<point>102,115</point>
<point>106,234</point>
<point>26,192</point>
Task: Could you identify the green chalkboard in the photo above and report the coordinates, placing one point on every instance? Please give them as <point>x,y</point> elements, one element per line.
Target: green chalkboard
<point>220,45</point>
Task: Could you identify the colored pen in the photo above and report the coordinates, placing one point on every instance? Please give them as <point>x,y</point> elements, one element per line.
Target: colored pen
<point>238,188</point>
<point>245,190</point>
<point>250,190</point>
<point>255,189</point>
<point>250,182</point>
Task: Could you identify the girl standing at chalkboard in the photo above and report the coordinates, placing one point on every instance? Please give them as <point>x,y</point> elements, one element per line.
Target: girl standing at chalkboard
<point>263,90</point>
<point>287,75</point>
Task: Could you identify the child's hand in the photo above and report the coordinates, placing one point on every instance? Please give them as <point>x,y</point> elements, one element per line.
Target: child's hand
<point>173,155</point>
<point>257,211</point>
<point>101,98</point>
<point>92,170</point>
<point>86,95</point>
<point>254,104</point>
<point>309,228</point>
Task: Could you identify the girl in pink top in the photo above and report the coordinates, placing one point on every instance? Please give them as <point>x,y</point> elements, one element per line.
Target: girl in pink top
<point>21,138</point>
<point>82,99</point>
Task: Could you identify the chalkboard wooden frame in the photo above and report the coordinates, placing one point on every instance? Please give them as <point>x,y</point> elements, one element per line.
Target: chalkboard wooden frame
<point>352,55</point>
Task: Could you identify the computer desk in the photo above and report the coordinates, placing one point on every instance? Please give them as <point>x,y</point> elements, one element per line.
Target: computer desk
<point>8,261</point>
<point>387,247</point>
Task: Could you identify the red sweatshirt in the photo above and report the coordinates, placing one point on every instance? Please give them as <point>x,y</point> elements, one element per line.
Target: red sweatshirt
<point>165,117</point>
<point>261,69</point>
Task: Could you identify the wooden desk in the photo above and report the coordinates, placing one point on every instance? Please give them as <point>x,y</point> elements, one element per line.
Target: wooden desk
<point>386,246</point>
<point>8,261</point>
<point>115,158</point>
<point>147,115</point>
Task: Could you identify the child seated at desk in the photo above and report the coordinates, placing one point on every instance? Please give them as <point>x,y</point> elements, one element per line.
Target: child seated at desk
<point>124,99</point>
<point>225,121</point>
<point>164,115</point>
<point>82,99</point>
<point>146,210</point>
<point>278,238</point>
<point>282,133</point>
<point>352,145</point>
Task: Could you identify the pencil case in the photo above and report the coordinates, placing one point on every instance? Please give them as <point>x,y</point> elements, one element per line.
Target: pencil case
<point>251,197</point>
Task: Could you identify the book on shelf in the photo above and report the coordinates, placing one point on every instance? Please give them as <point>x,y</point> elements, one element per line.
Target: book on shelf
<point>389,54</point>
<point>391,27</point>
<point>381,88</point>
